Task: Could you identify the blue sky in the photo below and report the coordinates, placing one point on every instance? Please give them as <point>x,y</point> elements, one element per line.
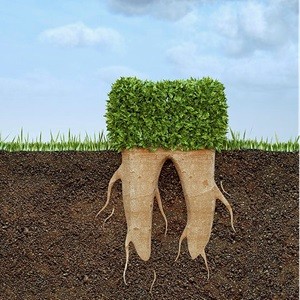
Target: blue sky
<point>59,58</point>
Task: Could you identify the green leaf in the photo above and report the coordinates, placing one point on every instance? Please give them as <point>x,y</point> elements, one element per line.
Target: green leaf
<point>189,114</point>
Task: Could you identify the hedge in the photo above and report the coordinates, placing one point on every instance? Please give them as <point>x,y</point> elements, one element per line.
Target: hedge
<point>183,115</point>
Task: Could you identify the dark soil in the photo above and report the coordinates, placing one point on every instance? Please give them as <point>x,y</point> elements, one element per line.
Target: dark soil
<point>52,247</point>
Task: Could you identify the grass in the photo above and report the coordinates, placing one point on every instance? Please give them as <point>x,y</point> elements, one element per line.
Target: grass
<point>98,142</point>
<point>239,142</point>
<point>60,142</point>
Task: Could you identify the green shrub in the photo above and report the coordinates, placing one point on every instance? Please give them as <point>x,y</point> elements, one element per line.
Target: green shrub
<point>180,114</point>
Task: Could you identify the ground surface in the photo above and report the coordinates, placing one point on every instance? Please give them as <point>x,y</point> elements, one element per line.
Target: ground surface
<point>52,247</point>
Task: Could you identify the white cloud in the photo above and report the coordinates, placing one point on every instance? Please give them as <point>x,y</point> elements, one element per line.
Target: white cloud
<point>131,7</point>
<point>189,21</point>
<point>249,26</point>
<point>226,21</point>
<point>260,70</point>
<point>171,10</point>
<point>245,43</point>
<point>184,57</point>
<point>79,35</point>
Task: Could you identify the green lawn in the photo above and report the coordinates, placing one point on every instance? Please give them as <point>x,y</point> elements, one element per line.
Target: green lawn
<point>98,142</point>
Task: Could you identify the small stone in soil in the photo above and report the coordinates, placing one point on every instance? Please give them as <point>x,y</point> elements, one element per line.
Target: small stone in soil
<point>86,279</point>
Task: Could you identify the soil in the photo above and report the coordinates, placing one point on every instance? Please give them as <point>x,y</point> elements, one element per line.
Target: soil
<point>52,247</point>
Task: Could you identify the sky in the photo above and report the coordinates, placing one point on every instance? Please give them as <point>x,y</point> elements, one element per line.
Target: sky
<point>59,58</point>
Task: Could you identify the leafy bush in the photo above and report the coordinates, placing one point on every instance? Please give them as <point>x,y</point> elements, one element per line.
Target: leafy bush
<point>180,114</point>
